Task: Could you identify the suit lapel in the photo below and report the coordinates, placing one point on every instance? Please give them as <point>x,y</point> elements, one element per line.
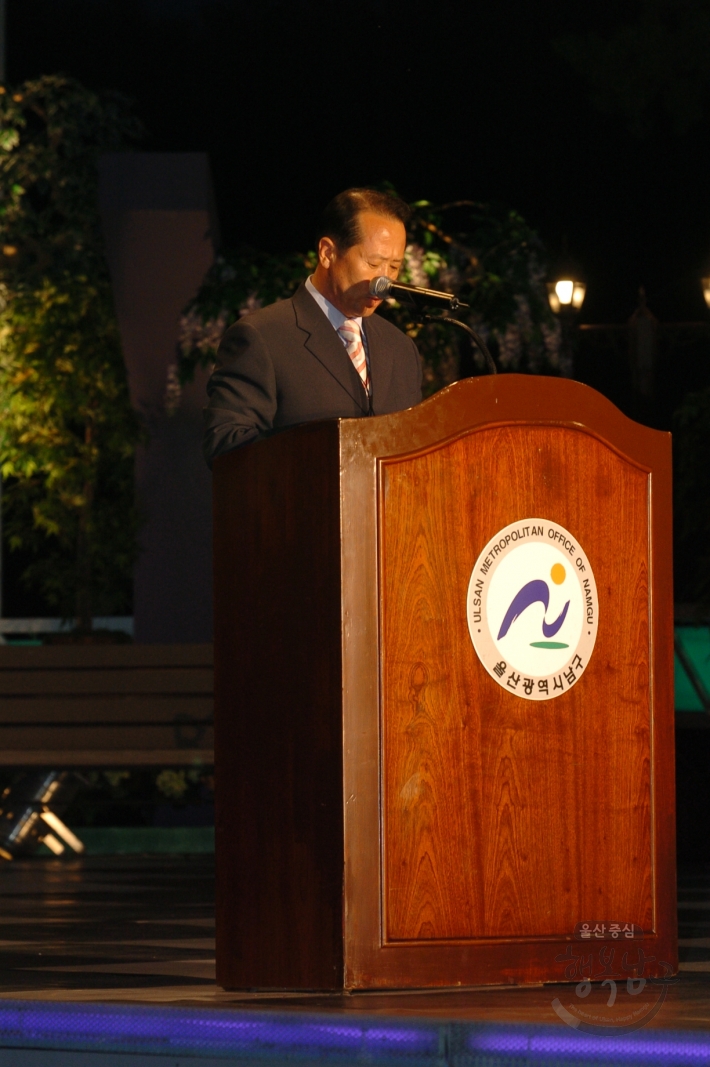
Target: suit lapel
<point>323,343</point>
<point>380,361</point>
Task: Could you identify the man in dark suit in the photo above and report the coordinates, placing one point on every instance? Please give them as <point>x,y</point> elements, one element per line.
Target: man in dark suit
<point>322,354</point>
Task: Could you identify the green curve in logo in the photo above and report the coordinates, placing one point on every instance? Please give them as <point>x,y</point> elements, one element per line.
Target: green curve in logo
<point>548,644</point>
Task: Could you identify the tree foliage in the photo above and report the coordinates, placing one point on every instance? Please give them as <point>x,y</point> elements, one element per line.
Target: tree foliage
<point>67,431</point>
<point>494,262</point>
<point>488,256</point>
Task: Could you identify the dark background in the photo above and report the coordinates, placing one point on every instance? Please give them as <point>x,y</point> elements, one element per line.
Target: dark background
<point>297,99</point>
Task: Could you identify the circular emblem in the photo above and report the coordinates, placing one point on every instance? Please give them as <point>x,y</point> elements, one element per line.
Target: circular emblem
<point>532,609</point>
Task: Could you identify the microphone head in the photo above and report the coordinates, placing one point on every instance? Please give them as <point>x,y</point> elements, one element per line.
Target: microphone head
<point>380,287</point>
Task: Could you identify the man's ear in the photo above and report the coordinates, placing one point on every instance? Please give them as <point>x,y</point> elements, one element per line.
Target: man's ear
<point>326,252</point>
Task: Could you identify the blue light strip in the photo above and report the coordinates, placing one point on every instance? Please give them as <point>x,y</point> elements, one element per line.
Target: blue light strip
<point>294,1037</point>
<point>199,1031</point>
<point>547,1044</point>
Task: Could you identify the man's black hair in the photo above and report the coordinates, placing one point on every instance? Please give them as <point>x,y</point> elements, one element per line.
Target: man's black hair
<point>339,221</point>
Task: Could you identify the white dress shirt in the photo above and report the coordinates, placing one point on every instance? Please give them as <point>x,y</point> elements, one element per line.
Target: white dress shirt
<point>335,317</point>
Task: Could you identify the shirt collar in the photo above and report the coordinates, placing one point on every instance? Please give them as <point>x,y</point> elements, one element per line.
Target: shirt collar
<point>334,317</point>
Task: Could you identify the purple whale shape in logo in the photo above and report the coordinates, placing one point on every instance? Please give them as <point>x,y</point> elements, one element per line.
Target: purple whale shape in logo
<point>532,593</point>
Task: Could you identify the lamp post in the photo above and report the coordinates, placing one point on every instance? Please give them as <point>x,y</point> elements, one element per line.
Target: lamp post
<point>566,296</point>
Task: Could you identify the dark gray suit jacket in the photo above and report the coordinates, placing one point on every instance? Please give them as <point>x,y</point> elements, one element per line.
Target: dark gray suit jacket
<point>285,364</point>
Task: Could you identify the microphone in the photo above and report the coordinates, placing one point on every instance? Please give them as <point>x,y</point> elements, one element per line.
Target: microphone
<point>383,286</point>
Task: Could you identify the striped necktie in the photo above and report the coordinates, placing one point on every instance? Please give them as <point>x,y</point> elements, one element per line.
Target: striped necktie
<point>350,333</point>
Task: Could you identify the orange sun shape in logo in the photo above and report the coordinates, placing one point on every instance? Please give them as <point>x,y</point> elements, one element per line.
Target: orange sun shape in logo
<point>558,573</point>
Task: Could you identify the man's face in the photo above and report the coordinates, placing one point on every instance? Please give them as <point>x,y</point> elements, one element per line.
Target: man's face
<point>347,275</point>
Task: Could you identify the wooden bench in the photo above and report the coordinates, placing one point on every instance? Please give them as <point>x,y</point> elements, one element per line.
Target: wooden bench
<point>106,706</point>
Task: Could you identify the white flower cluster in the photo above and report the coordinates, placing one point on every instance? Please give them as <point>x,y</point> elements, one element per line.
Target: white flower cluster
<point>516,340</point>
<point>413,267</point>
<point>227,273</point>
<point>553,346</point>
<point>449,277</point>
<point>421,265</point>
<point>510,346</point>
<point>252,303</point>
<point>194,334</point>
<point>173,389</point>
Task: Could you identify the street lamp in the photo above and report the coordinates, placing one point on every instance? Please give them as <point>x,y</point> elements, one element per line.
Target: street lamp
<point>567,293</point>
<point>705,282</point>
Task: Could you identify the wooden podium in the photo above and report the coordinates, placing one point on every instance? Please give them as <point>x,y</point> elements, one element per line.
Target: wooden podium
<point>394,811</point>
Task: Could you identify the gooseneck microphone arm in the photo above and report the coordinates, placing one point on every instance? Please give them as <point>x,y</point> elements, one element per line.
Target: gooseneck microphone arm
<point>383,287</point>
<point>477,340</point>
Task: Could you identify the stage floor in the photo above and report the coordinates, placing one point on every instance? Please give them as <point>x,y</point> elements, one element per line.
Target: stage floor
<point>140,930</point>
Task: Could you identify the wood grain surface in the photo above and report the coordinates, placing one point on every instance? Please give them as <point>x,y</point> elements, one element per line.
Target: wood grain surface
<point>98,706</point>
<point>278,718</point>
<point>116,756</point>
<point>93,657</point>
<point>62,682</point>
<point>105,707</point>
<point>507,818</point>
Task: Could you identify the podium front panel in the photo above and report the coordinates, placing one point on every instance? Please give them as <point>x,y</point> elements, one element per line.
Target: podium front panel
<point>506,817</point>
<point>483,829</point>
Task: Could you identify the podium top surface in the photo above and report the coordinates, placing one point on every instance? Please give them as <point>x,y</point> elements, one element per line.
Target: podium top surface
<point>473,403</point>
